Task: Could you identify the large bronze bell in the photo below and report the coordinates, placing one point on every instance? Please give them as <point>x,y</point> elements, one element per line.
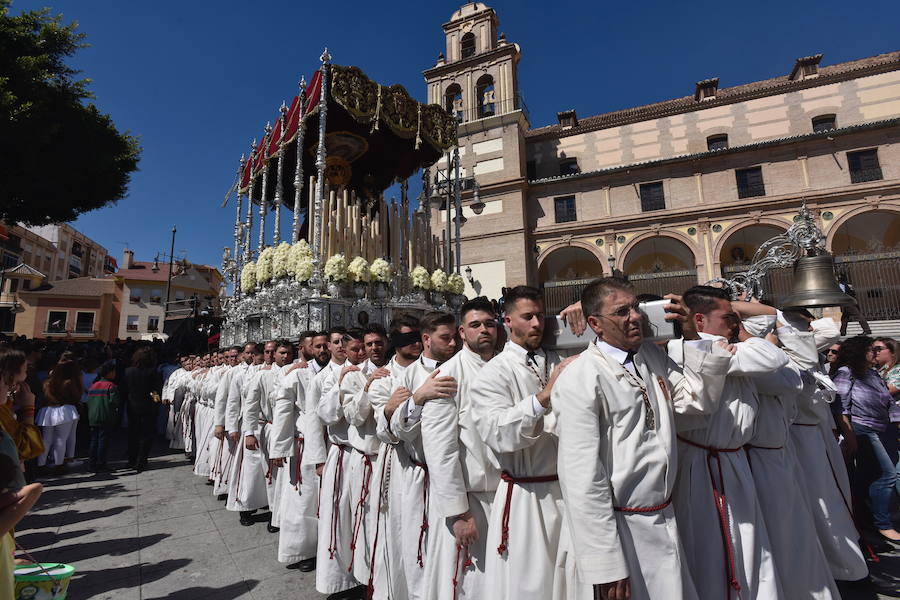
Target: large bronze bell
<point>815,284</point>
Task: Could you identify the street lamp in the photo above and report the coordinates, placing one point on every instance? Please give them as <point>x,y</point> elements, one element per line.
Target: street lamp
<point>453,200</point>
<point>477,206</point>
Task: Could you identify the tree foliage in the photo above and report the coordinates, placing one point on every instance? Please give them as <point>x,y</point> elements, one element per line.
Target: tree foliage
<point>59,155</point>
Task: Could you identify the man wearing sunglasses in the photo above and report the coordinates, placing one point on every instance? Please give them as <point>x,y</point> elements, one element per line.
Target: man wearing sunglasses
<point>617,406</point>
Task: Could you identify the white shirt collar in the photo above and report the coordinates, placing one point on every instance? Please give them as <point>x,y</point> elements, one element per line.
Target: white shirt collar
<point>336,367</point>
<point>522,350</point>
<point>617,354</point>
<point>429,363</point>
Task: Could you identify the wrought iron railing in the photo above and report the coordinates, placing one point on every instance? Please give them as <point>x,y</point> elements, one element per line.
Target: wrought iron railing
<point>863,175</point>
<point>875,278</point>
<point>751,190</point>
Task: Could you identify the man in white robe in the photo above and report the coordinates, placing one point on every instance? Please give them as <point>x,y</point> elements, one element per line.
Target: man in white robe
<point>224,446</point>
<point>244,495</point>
<point>719,516</point>
<point>204,416</point>
<point>510,406</point>
<point>820,464</point>
<point>773,463</point>
<point>256,421</point>
<point>387,577</point>
<point>299,442</point>
<point>463,473</point>
<point>425,382</point>
<point>173,395</point>
<point>363,438</point>
<point>333,575</point>
<point>617,405</point>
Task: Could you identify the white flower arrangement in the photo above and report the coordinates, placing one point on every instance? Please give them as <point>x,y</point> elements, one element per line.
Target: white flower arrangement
<point>303,269</point>
<point>381,270</point>
<point>299,251</point>
<point>264,265</point>
<point>439,280</point>
<point>419,278</point>
<point>455,284</point>
<point>280,259</point>
<point>359,270</point>
<point>248,278</point>
<point>336,268</point>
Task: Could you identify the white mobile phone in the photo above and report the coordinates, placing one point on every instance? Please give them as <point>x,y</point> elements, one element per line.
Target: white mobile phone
<point>655,326</point>
<point>558,336</point>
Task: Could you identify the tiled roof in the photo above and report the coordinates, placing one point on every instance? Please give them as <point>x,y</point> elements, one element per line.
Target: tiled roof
<point>768,87</point>
<point>23,269</point>
<point>143,271</point>
<point>80,286</point>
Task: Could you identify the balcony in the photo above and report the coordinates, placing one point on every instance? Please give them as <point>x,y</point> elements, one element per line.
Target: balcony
<point>863,175</point>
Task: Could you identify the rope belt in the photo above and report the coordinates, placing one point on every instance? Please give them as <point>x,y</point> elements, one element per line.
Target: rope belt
<point>298,459</point>
<point>461,552</point>
<point>359,513</point>
<point>644,509</point>
<point>424,528</point>
<point>217,464</point>
<point>336,499</point>
<point>722,508</point>
<point>510,480</point>
<point>381,495</point>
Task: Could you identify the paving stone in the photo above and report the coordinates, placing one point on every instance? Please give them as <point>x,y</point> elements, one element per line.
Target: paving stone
<point>179,527</point>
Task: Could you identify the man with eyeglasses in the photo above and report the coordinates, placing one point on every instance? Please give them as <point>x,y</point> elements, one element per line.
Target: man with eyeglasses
<point>619,405</point>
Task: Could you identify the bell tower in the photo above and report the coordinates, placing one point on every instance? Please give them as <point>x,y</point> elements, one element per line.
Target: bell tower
<point>476,79</point>
<point>476,76</point>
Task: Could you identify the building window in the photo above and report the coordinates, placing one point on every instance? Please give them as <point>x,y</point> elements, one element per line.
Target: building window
<point>84,322</point>
<point>568,166</point>
<point>132,323</point>
<point>564,208</point>
<point>717,142</point>
<point>13,286</point>
<point>134,295</point>
<point>155,296</point>
<point>864,166</point>
<point>467,45</point>
<point>76,249</point>
<point>750,182</point>
<point>152,323</point>
<point>56,321</point>
<point>179,295</point>
<point>26,284</point>
<point>652,196</point>
<point>484,94</point>
<point>824,123</point>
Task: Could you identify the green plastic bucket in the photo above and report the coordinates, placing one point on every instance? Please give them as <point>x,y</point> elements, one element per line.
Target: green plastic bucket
<point>44,581</point>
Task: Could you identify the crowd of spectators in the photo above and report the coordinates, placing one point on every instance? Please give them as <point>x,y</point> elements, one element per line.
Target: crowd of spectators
<point>866,372</point>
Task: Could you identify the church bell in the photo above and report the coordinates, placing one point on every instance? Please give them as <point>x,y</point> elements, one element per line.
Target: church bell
<point>815,284</point>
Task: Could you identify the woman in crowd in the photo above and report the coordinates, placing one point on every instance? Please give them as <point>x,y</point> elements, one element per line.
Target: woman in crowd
<point>142,380</point>
<point>867,408</point>
<point>887,361</point>
<point>59,415</point>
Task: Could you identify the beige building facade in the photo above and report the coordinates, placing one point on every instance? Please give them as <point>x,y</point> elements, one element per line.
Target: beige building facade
<point>76,255</point>
<point>677,192</point>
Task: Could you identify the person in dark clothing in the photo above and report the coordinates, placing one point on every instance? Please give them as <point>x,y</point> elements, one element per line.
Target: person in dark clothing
<point>142,380</point>
<point>103,413</point>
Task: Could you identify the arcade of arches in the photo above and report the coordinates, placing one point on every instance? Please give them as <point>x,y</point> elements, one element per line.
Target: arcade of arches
<point>866,247</point>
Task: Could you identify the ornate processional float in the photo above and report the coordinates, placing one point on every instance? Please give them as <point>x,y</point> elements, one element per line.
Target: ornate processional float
<point>354,257</point>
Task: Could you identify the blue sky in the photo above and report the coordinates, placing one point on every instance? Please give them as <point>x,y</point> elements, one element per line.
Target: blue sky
<point>195,81</point>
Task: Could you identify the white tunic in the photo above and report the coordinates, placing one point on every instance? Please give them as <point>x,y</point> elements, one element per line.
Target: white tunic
<point>224,449</point>
<point>256,419</point>
<point>386,573</point>
<point>530,561</point>
<point>299,497</point>
<point>246,486</point>
<point>773,464</point>
<point>463,476</point>
<point>173,393</point>
<point>335,514</point>
<point>357,410</point>
<point>820,465</point>
<point>618,463</point>
<point>737,561</point>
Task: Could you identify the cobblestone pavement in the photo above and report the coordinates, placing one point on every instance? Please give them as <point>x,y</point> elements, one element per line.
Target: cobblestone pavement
<point>161,534</point>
